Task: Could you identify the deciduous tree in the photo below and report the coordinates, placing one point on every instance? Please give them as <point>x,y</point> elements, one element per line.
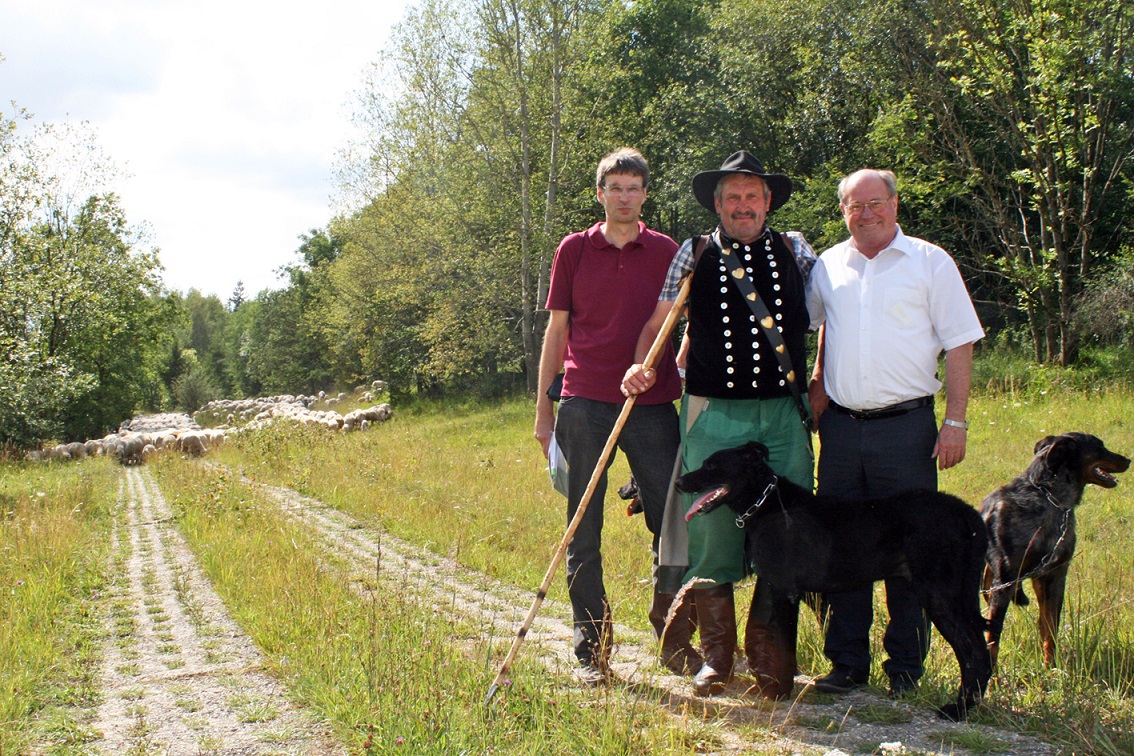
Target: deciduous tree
<point>1022,111</point>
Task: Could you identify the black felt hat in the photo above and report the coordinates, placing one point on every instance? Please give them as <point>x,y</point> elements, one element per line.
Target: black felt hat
<point>705,183</point>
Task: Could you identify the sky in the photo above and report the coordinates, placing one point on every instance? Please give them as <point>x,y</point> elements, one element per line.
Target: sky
<point>225,115</point>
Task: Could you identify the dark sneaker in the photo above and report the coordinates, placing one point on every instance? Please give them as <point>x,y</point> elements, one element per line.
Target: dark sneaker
<point>841,679</point>
<point>589,674</point>
<point>902,685</point>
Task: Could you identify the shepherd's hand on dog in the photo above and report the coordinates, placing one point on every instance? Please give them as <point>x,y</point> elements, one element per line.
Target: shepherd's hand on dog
<point>638,380</point>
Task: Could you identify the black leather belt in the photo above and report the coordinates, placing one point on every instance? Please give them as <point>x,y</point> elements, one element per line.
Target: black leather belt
<point>892,411</point>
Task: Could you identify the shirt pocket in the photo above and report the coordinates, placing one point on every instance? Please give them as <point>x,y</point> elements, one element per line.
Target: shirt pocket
<point>901,306</point>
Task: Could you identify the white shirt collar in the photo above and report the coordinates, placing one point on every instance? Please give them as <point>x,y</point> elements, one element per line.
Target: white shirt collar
<point>899,243</point>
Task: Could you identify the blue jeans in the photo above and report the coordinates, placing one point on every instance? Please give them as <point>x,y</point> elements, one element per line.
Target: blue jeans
<point>868,458</point>
<point>650,440</point>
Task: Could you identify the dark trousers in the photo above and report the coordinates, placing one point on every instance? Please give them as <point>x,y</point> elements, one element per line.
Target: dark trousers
<point>867,458</point>
<point>650,440</point>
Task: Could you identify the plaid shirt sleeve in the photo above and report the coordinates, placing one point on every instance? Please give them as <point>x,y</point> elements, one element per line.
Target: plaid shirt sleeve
<point>681,265</point>
<point>805,256</point>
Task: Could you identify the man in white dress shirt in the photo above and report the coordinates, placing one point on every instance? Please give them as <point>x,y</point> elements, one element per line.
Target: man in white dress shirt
<point>889,305</point>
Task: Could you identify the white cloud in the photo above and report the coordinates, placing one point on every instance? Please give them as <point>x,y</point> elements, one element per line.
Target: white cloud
<point>227,115</point>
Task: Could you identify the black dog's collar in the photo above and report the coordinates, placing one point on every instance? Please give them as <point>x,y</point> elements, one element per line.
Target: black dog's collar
<point>742,519</point>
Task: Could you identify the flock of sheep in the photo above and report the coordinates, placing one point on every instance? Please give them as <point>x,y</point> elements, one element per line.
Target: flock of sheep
<point>138,438</point>
<point>142,436</point>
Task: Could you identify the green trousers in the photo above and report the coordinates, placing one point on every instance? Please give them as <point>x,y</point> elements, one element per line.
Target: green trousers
<point>716,545</point>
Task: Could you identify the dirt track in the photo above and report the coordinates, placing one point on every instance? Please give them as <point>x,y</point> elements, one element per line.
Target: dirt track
<point>180,677</point>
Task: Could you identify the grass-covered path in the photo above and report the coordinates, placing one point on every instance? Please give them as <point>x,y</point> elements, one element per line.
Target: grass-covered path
<point>179,676</point>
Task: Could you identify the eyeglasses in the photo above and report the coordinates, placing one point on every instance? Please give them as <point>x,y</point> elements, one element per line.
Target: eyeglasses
<point>624,191</point>
<point>856,208</point>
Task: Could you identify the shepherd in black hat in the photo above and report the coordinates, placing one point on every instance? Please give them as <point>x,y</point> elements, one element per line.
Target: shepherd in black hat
<point>745,380</point>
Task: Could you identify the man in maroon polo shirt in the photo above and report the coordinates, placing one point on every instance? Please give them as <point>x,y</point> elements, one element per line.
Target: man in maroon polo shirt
<point>604,286</point>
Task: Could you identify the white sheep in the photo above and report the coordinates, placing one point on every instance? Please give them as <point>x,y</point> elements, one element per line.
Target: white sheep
<point>192,443</point>
<point>379,413</point>
<point>130,449</point>
<point>352,419</point>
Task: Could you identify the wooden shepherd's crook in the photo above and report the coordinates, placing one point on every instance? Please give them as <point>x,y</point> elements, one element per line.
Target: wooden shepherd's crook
<point>651,358</point>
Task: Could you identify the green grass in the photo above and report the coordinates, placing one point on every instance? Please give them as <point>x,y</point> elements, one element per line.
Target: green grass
<point>468,481</point>
<point>381,664</point>
<point>474,471</point>
<point>54,548</point>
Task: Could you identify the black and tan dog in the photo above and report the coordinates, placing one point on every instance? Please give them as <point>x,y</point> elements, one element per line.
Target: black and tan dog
<point>1031,529</point>
<point>804,542</point>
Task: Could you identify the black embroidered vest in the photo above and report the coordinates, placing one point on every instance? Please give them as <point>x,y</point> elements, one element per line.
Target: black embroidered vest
<point>729,355</point>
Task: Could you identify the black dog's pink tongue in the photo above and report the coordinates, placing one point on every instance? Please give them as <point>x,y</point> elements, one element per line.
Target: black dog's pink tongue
<point>704,499</point>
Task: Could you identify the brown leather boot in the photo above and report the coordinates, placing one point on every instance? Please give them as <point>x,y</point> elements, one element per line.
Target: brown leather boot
<point>716,620</point>
<point>677,652</point>
<point>769,647</point>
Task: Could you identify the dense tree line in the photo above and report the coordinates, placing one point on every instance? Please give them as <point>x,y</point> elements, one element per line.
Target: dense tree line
<point>1008,124</point>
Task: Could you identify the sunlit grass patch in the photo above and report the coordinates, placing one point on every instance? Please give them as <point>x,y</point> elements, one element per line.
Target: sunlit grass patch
<point>883,714</point>
<point>258,711</point>
<point>818,722</point>
<point>195,723</point>
<point>187,704</point>
<point>971,739</point>
<point>210,743</point>
<point>468,482</point>
<point>279,735</point>
<point>55,525</point>
<point>381,664</point>
<point>132,694</point>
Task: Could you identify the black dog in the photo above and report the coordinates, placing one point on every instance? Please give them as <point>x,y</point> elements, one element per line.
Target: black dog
<point>1031,529</point>
<point>629,493</point>
<point>804,542</point>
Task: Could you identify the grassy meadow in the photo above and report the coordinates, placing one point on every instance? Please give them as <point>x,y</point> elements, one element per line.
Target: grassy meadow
<point>55,523</point>
<point>468,482</point>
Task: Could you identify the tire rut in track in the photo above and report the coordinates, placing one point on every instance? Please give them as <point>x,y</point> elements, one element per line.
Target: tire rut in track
<point>500,608</point>
<point>179,677</point>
